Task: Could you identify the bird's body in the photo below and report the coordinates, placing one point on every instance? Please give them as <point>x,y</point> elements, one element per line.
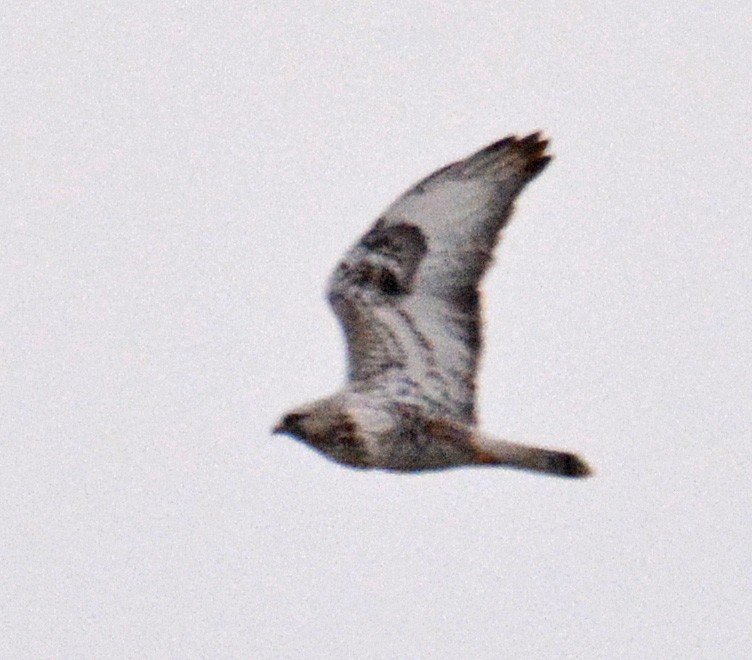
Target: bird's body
<point>407,298</point>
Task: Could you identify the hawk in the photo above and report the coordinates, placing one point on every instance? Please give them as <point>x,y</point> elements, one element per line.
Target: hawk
<point>406,295</point>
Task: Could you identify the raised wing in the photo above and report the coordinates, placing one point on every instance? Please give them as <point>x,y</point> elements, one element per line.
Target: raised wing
<point>407,293</point>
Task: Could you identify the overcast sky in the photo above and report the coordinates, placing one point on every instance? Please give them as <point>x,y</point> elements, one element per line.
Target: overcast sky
<point>178,181</point>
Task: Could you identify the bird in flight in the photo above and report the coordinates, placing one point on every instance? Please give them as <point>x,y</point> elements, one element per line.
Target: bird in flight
<point>406,295</point>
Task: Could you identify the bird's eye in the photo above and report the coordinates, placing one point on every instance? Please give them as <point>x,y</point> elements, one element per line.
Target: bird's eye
<point>293,419</point>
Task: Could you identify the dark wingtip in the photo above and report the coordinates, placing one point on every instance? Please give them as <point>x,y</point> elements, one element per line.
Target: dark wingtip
<point>536,166</point>
<point>532,144</point>
<point>512,155</point>
<point>533,138</point>
<point>531,147</point>
<point>534,147</point>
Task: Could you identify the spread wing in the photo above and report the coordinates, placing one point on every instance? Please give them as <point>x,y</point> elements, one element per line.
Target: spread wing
<point>407,293</point>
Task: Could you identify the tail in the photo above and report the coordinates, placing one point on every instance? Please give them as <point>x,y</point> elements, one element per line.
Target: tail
<point>537,459</point>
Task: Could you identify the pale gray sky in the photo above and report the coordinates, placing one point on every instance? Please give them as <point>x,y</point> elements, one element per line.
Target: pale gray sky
<point>179,178</point>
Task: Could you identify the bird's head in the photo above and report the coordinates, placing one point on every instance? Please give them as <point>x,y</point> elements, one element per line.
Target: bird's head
<point>308,422</point>
<point>325,425</point>
<point>297,423</point>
